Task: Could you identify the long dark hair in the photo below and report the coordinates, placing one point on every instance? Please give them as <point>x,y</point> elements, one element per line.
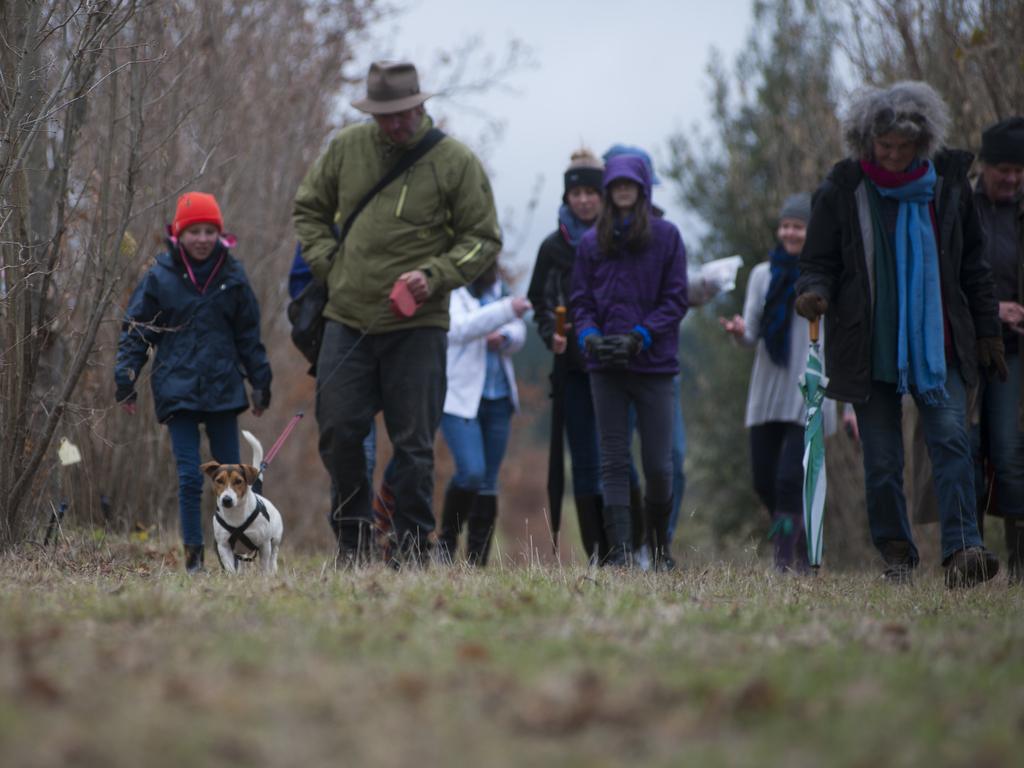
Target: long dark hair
<point>639,229</point>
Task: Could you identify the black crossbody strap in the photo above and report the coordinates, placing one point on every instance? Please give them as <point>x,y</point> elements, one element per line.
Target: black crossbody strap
<point>406,161</point>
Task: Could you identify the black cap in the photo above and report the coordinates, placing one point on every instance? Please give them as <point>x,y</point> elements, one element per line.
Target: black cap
<point>1003,142</point>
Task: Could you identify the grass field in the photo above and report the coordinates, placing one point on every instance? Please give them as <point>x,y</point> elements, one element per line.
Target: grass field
<point>110,656</point>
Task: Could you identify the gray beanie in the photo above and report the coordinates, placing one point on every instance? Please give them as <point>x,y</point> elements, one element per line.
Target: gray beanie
<point>797,206</point>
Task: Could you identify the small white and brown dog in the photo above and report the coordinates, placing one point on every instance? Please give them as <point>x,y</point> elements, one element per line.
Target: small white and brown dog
<point>245,524</point>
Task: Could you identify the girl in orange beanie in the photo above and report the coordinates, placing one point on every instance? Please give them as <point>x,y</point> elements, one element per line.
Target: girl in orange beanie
<point>196,309</point>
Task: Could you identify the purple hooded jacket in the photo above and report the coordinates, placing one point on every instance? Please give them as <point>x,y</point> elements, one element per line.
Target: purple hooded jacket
<point>644,291</point>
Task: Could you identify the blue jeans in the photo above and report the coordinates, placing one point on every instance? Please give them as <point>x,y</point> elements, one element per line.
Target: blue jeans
<point>945,433</point>
<point>999,404</point>
<point>678,456</point>
<point>478,445</point>
<point>222,434</point>
<point>581,431</point>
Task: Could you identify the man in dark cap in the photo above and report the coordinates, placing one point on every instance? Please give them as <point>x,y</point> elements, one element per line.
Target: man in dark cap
<point>406,241</point>
<point>999,194</point>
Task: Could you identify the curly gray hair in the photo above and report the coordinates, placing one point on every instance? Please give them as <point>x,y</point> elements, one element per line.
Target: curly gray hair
<point>911,108</point>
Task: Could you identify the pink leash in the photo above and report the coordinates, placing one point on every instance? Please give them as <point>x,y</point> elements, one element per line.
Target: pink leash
<point>280,440</point>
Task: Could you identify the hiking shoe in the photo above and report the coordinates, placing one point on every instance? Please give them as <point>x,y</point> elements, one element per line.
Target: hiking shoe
<point>899,574</point>
<point>969,567</point>
<point>193,559</point>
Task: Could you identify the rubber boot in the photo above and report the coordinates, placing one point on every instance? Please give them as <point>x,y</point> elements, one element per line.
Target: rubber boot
<point>458,503</point>
<point>480,529</point>
<point>618,531</point>
<point>1014,528</point>
<point>588,512</point>
<point>193,558</point>
<point>790,542</point>
<point>637,519</point>
<point>657,520</point>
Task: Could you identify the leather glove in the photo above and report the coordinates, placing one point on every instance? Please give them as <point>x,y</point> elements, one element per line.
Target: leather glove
<point>992,357</point>
<point>592,344</point>
<point>811,305</point>
<point>616,350</point>
<point>261,399</point>
<point>125,396</point>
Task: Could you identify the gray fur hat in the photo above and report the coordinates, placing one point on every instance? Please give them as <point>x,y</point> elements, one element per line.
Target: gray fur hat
<point>910,107</point>
<point>797,207</point>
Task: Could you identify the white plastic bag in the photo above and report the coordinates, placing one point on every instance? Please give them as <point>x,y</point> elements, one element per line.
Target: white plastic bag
<point>708,280</point>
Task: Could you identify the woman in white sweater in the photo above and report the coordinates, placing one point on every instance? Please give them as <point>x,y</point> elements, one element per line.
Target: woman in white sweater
<point>775,407</point>
<point>486,330</point>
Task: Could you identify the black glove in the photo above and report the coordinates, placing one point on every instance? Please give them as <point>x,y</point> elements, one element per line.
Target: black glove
<point>592,344</point>
<point>811,305</point>
<point>261,399</point>
<point>125,395</point>
<point>616,350</point>
<point>992,357</point>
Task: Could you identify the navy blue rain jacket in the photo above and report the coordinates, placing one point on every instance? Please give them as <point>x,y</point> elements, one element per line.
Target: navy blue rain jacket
<point>205,343</point>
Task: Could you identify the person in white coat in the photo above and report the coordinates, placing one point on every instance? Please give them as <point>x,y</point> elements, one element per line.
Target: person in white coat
<point>775,408</point>
<point>486,330</point>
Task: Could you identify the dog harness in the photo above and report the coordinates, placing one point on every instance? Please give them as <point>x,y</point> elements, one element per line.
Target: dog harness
<point>237,533</point>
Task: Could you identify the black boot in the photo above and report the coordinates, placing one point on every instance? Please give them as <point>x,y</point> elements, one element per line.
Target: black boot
<point>787,536</point>
<point>1014,527</point>
<point>352,523</point>
<point>480,529</point>
<point>618,531</point>
<point>458,503</point>
<point>588,512</point>
<point>637,517</point>
<point>657,520</point>
<point>193,558</point>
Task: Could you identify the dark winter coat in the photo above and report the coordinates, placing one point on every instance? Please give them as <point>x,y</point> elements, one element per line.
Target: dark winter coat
<point>549,288</point>
<point>205,343</point>
<point>614,294</point>
<point>837,263</point>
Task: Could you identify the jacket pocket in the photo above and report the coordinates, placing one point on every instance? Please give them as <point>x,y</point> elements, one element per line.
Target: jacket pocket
<point>419,196</point>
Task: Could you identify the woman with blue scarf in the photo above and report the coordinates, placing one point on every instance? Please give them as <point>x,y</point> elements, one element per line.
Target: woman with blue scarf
<point>894,261</point>
<point>775,408</point>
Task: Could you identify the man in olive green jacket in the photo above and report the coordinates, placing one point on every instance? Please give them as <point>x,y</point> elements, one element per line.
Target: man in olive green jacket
<point>431,230</point>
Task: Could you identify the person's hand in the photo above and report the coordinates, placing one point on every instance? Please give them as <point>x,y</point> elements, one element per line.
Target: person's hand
<point>592,344</point>
<point>417,283</point>
<point>495,341</point>
<point>635,344</point>
<point>992,357</point>
<point>521,305</point>
<point>736,327</point>
<point>128,407</point>
<point>850,424</point>
<point>811,305</point>
<point>616,350</point>
<point>559,344</point>
<point>1012,314</point>
<point>260,401</point>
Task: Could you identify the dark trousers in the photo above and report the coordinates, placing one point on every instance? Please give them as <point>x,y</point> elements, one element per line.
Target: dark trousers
<point>776,461</point>
<point>401,373</point>
<point>651,397</point>
<point>581,431</point>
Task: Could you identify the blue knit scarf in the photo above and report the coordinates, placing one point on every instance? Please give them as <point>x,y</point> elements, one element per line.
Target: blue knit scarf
<point>571,227</point>
<point>920,352</point>
<point>778,305</point>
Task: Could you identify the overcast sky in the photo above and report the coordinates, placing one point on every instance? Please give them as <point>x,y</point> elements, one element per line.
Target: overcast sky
<point>605,72</point>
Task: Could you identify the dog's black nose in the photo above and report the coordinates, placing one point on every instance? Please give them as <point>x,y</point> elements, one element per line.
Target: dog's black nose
<point>227,502</point>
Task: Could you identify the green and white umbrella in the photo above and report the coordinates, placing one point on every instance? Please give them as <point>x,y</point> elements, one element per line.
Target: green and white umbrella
<point>812,385</point>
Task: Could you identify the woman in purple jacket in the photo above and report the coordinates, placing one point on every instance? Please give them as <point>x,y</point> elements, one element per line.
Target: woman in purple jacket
<point>628,296</point>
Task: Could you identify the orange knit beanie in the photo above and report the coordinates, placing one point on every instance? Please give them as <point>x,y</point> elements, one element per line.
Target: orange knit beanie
<point>196,208</point>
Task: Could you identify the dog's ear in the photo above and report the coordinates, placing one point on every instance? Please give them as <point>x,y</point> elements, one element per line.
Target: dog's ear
<point>250,473</point>
<point>209,468</point>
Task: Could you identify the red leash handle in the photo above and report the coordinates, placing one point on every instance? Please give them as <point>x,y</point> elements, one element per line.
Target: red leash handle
<point>280,440</point>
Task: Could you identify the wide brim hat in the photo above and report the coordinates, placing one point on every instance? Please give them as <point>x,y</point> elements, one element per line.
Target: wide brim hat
<point>391,86</point>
